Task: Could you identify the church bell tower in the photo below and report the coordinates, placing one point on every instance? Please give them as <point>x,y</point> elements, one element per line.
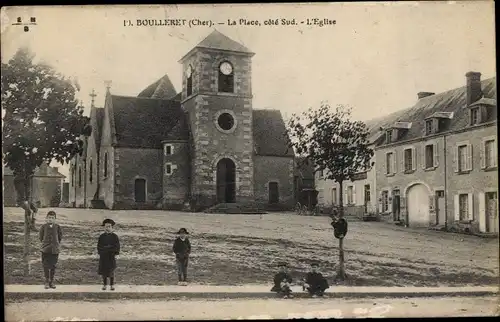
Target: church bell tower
<point>217,96</point>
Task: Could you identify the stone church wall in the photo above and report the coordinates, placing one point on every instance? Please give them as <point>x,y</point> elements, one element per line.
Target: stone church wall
<point>278,169</point>
<point>176,185</point>
<point>133,164</point>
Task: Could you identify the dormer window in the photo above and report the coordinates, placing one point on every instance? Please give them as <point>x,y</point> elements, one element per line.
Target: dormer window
<point>189,80</point>
<point>428,127</point>
<point>388,136</point>
<point>474,116</point>
<point>226,77</point>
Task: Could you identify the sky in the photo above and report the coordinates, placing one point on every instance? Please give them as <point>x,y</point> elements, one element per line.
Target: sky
<point>376,58</point>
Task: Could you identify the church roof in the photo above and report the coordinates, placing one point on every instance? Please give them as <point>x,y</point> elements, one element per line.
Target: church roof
<point>269,133</point>
<point>217,40</point>
<point>144,122</point>
<point>96,118</point>
<point>180,131</point>
<point>161,89</point>
<point>450,101</point>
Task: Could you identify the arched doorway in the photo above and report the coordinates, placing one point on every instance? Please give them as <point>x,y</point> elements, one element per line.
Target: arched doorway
<point>417,197</point>
<point>226,181</point>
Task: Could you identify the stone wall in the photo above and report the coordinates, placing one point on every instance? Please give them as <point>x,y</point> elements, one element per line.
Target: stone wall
<point>274,169</point>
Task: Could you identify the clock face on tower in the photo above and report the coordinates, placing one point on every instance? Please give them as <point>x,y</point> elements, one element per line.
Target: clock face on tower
<point>226,68</point>
<point>189,71</point>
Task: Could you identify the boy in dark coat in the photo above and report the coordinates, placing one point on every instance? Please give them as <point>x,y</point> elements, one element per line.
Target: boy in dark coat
<point>182,250</point>
<point>315,283</point>
<point>108,247</point>
<point>50,237</point>
<point>282,281</point>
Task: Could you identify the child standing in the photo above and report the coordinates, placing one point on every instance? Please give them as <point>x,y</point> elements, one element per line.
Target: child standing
<point>315,283</point>
<point>108,247</point>
<point>282,281</point>
<point>50,237</point>
<point>182,250</point>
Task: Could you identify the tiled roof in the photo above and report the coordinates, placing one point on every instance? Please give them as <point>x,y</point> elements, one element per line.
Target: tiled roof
<point>180,131</point>
<point>161,89</point>
<point>217,40</point>
<point>96,119</point>
<point>450,101</point>
<point>269,133</point>
<point>143,122</point>
<point>43,171</point>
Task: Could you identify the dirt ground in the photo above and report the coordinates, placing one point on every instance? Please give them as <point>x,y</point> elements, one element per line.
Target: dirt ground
<point>146,310</point>
<point>243,249</point>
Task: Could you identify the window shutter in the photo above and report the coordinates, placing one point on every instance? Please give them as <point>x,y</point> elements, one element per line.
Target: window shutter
<point>414,158</point>
<point>401,162</point>
<point>483,155</point>
<point>380,203</point>
<point>424,161</point>
<point>494,155</point>
<point>470,206</point>
<point>456,208</point>
<point>482,212</point>
<point>455,158</point>
<point>469,157</point>
<point>346,201</point>
<point>436,155</point>
<point>432,203</point>
<point>354,194</point>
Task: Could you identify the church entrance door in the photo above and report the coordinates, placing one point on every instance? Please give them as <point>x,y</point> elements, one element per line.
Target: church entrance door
<point>226,181</point>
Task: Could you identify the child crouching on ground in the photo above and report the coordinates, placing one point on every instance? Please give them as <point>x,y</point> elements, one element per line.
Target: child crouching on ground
<point>282,281</point>
<point>315,283</point>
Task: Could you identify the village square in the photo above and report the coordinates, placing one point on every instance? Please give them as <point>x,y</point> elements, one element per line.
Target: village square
<point>200,194</point>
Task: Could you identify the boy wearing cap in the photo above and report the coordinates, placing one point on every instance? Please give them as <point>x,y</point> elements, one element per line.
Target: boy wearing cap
<point>50,235</point>
<point>182,250</point>
<point>315,283</point>
<point>108,246</point>
<point>282,281</point>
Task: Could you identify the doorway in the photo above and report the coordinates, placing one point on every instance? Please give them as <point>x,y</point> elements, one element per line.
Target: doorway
<point>440,208</point>
<point>491,212</point>
<point>274,194</point>
<point>140,190</point>
<point>367,197</point>
<point>226,181</point>
<point>396,205</point>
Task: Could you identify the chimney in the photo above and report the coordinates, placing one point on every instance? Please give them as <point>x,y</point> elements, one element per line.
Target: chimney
<point>424,94</point>
<point>56,169</point>
<point>473,89</point>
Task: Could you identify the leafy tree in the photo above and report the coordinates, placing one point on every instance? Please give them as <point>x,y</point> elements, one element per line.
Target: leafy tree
<point>337,146</point>
<point>42,121</point>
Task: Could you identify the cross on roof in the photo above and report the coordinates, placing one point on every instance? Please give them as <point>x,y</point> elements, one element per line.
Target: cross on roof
<point>108,84</point>
<point>92,95</point>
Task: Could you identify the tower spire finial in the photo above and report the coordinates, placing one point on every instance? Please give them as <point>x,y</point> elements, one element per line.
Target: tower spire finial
<point>108,84</point>
<point>92,95</point>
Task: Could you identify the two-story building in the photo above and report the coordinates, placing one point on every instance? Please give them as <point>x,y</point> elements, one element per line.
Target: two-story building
<point>436,165</point>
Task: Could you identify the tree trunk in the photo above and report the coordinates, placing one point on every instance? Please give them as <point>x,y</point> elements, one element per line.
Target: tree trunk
<point>27,241</point>
<point>341,275</point>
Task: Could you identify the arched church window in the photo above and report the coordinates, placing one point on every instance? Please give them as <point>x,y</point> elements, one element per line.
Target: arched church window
<point>189,80</point>
<point>226,77</point>
<point>105,165</point>
<point>91,171</point>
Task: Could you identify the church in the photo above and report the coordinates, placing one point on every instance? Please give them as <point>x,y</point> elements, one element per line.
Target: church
<point>196,148</point>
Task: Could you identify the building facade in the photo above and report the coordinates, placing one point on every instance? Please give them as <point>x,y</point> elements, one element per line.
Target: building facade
<point>436,165</point>
<point>46,190</point>
<point>204,145</point>
<point>358,194</point>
